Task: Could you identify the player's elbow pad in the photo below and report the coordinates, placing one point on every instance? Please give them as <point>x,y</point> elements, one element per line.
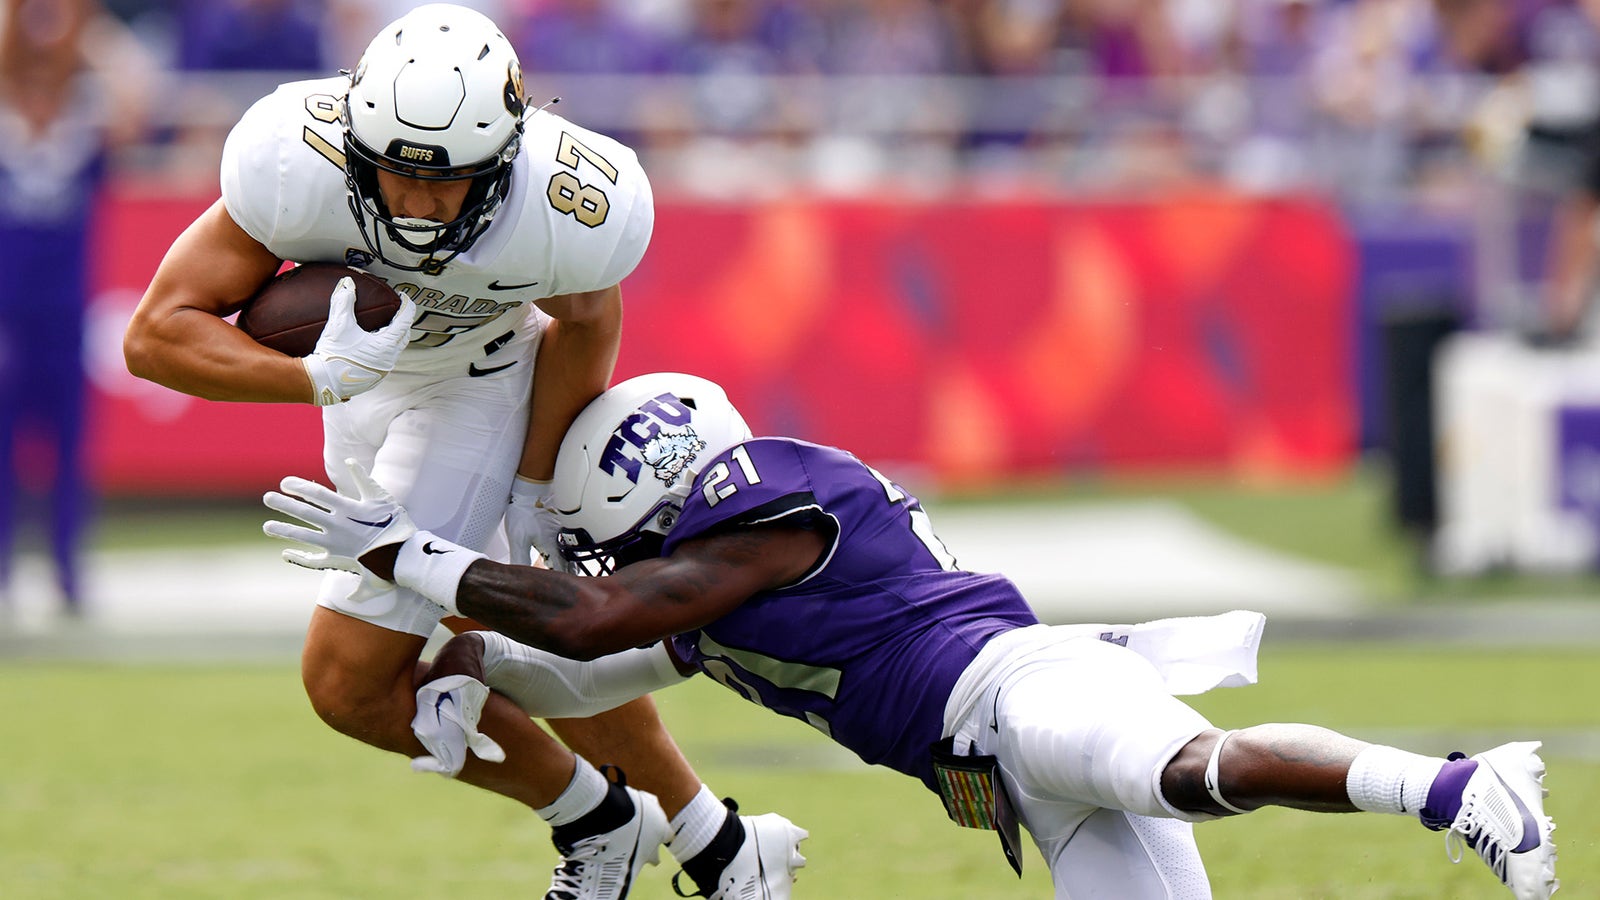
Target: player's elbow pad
<point>550,686</point>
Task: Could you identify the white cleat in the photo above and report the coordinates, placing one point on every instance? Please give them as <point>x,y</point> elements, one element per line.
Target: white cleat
<point>1502,819</point>
<point>764,868</point>
<point>603,866</point>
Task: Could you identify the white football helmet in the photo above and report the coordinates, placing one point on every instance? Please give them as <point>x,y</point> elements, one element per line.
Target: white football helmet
<point>436,95</point>
<point>627,464</point>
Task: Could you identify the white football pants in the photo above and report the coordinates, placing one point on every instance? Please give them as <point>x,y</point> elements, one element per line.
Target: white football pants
<point>448,450</point>
<point>1083,729</point>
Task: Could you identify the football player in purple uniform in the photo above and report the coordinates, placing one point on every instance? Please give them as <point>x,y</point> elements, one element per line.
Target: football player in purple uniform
<point>812,585</point>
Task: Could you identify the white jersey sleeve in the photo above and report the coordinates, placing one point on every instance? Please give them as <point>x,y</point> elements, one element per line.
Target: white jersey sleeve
<point>283,171</point>
<point>249,200</point>
<point>592,195</point>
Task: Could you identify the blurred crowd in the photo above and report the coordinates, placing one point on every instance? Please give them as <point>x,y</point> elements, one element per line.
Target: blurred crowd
<point>729,96</point>
<point>1411,104</point>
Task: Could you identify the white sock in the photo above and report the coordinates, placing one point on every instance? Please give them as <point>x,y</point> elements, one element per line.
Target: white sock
<point>587,788</point>
<point>696,824</point>
<point>1390,780</point>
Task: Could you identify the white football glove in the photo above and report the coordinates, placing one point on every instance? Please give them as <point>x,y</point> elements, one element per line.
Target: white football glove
<point>342,527</point>
<point>446,723</point>
<point>348,359</point>
<point>531,524</point>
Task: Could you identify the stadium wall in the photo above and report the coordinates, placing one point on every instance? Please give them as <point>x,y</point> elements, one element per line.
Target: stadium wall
<point>1207,332</point>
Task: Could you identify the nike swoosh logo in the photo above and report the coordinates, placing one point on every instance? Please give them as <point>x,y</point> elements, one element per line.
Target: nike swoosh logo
<point>627,881</point>
<point>474,372</point>
<point>1530,825</point>
<point>427,548</point>
<point>497,286</point>
<point>374,524</point>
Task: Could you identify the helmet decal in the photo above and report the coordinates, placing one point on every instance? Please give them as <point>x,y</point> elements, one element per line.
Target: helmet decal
<point>515,102</point>
<point>627,452</point>
<point>670,451</point>
<point>419,153</point>
<point>610,512</point>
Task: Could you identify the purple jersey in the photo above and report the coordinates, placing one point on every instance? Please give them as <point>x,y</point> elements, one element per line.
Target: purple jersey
<point>867,647</point>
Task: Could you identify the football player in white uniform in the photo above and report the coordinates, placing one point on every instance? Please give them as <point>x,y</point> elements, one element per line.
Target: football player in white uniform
<point>508,230</point>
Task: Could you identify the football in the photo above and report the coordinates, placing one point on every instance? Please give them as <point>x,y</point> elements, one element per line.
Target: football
<point>288,314</point>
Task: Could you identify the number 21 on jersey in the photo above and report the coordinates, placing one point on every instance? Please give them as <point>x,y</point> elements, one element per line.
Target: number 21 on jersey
<point>717,487</point>
<point>718,484</point>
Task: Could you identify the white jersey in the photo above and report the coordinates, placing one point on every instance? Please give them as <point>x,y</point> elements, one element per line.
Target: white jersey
<point>577,217</point>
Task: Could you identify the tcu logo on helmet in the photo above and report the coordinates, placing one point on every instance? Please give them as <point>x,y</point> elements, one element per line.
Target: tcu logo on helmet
<point>669,452</point>
<point>660,435</point>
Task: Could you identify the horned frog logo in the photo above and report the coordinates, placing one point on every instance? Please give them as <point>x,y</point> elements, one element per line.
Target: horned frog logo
<point>670,451</point>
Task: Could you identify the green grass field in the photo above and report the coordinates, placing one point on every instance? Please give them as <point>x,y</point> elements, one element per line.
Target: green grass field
<point>206,782</point>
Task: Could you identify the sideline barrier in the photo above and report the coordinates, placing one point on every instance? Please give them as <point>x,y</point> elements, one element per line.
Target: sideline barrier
<point>1206,333</point>
<point>1518,430</point>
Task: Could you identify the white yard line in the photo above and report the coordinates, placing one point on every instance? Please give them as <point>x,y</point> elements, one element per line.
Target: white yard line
<point>1143,558</point>
<point>1106,562</point>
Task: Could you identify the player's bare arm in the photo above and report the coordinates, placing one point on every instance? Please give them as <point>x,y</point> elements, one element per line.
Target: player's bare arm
<point>461,655</point>
<point>177,336</point>
<point>576,358</point>
<point>587,617</point>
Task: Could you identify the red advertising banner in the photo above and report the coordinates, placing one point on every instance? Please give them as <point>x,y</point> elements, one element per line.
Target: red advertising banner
<point>974,341</point>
